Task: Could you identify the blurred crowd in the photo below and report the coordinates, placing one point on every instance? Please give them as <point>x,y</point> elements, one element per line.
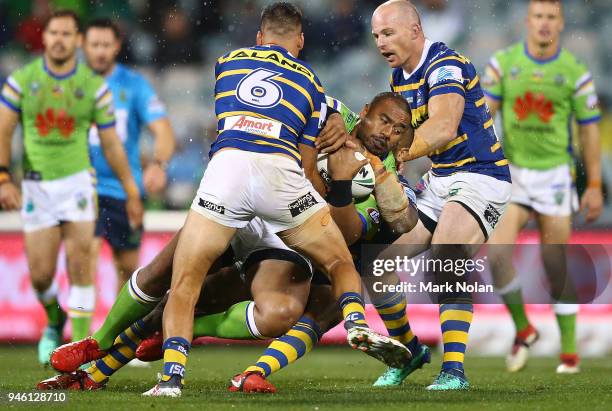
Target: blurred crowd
<point>176,43</point>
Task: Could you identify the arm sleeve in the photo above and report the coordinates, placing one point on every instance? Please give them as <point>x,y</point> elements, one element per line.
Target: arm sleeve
<point>492,80</point>
<point>149,107</point>
<point>585,103</point>
<point>336,106</point>
<point>104,110</point>
<point>370,216</point>
<point>12,92</point>
<point>447,76</point>
<point>317,118</point>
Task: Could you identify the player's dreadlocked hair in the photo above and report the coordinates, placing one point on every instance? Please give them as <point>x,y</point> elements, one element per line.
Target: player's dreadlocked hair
<point>389,95</point>
<point>281,18</point>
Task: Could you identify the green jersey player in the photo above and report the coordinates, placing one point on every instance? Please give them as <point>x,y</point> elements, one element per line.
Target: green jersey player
<point>56,99</point>
<point>538,86</point>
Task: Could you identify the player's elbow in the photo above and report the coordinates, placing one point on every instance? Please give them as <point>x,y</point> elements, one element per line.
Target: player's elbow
<point>405,223</point>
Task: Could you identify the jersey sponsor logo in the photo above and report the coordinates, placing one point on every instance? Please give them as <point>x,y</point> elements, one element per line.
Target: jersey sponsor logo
<point>273,56</point>
<point>444,74</point>
<point>514,72</point>
<point>491,215</point>
<point>60,120</point>
<point>537,104</point>
<point>302,204</point>
<point>374,214</point>
<point>215,208</point>
<point>254,125</point>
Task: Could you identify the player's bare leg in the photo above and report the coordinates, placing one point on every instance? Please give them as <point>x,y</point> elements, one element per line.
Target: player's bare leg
<point>125,262</point>
<point>555,232</point>
<point>201,242</point>
<point>507,284</point>
<point>81,300</point>
<point>320,239</point>
<point>454,241</point>
<point>42,263</point>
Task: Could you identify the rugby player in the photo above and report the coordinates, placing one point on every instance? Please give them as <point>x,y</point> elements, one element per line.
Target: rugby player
<point>136,105</point>
<point>537,86</point>
<point>277,289</point>
<point>56,99</point>
<point>469,180</point>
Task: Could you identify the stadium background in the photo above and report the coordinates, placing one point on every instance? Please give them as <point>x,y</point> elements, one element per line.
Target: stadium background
<point>175,43</point>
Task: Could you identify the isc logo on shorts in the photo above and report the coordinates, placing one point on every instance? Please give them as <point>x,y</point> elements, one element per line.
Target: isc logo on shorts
<point>253,125</point>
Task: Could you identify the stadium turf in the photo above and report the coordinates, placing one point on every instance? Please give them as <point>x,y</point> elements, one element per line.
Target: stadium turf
<point>330,378</point>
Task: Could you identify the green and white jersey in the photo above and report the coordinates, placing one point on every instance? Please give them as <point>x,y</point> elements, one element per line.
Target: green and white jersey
<point>56,114</point>
<point>539,99</point>
<point>366,207</point>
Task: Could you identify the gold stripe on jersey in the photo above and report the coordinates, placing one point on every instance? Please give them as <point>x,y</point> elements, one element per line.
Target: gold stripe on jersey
<point>447,85</point>
<point>458,58</point>
<point>495,147</point>
<point>407,87</point>
<point>480,102</point>
<point>455,164</point>
<point>252,113</point>
<point>452,144</point>
<point>297,87</point>
<point>274,57</point>
<point>267,143</point>
<point>472,83</point>
<point>293,109</point>
<point>311,138</point>
<point>225,94</point>
<point>233,73</point>
<point>488,123</point>
<point>503,162</point>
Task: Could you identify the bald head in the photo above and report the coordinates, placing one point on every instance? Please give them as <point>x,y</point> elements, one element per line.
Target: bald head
<point>396,27</point>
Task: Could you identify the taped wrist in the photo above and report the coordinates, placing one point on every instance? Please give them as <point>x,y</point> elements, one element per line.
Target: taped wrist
<point>419,148</point>
<point>340,193</point>
<point>390,197</point>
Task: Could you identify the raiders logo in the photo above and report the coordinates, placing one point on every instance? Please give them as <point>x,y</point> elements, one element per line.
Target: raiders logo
<point>491,215</point>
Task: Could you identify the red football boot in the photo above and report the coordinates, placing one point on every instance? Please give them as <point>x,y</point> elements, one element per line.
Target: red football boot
<point>76,381</point>
<point>150,349</point>
<point>69,357</point>
<point>251,381</point>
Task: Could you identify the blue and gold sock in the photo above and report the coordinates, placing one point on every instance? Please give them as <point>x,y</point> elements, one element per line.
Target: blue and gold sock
<point>289,348</point>
<point>122,352</point>
<point>455,320</point>
<point>392,310</point>
<point>353,310</point>
<point>176,350</point>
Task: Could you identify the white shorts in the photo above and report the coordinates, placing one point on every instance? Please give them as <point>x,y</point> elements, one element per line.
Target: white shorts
<point>257,242</point>
<point>239,185</point>
<point>483,196</point>
<point>48,203</point>
<point>549,192</point>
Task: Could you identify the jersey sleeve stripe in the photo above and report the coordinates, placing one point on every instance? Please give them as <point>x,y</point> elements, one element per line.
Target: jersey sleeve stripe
<point>101,91</point>
<point>447,85</point>
<point>10,93</point>
<point>225,94</point>
<point>105,125</point>
<point>503,162</point>
<point>488,124</point>
<point>589,120</point>
<point>495,147</point>
<point>586,77</point>
<point>585,88</point>
<point>480,102</point>
<point>106,99</point>
<point>13,83</point>
<point>9,104</point>
<point>491,95</point>
<point>310,138</point>
<point>452,144</point>
<point>496,67</point>
<point>473,83</point>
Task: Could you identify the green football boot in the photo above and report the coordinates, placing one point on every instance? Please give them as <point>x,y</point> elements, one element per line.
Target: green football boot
<point>395,376</point>
<point>449,380</point>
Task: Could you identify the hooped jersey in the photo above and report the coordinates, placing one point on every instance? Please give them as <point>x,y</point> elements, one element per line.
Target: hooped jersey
<point>476,147</point>
<point>539,99</point>
<point>56,113</point>
<point>266,101</point>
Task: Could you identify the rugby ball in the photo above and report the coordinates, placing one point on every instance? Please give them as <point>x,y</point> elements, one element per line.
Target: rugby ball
<point>363,182</point>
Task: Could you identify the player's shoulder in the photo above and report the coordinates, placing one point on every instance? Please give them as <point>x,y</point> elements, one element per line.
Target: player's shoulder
<point>572,62</point>
<point>508,53</point>
<point>32,68</point>
<point>88,77</point>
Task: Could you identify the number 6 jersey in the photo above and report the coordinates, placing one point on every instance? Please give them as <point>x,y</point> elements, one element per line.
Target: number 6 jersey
<point>266,101</point>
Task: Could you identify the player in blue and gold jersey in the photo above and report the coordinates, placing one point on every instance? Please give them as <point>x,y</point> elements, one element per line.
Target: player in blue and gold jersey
<point>468,182</point>
<point>269,107</point>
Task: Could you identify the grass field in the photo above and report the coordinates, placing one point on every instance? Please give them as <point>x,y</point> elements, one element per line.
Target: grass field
<point>330,378</point>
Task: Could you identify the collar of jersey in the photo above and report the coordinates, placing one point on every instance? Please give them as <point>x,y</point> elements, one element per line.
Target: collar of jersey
<point>426,48</point>
<point>59,76</point>
<point>540,61</point>
<point>277,47</point>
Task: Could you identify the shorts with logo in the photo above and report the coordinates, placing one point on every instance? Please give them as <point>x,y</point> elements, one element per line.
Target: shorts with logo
<point>257,242</point>
<point>548,192</point>
<point>48,203</point>
<point>239,185</point>
<point>114,226</point>
<point>482,196</point>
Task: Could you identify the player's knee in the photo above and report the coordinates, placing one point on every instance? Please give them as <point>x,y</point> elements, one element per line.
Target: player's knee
<point>42,282</point>
<point>278,315</point>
